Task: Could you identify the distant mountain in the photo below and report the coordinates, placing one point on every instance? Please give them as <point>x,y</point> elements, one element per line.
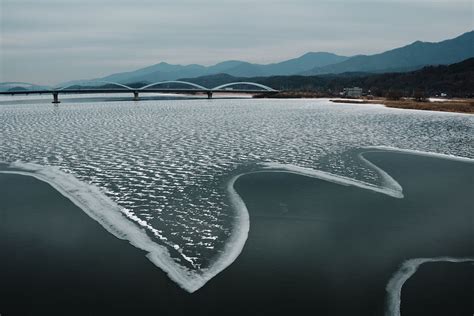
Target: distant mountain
<point>159,72</point>
<point>297,65</point>
<point>19,86</point>
<point>407,58</point>
<point>284,68</point>
<point>211,81</point>
<point>164,71</point>
<point>403,59</point>
<point>455,80</point>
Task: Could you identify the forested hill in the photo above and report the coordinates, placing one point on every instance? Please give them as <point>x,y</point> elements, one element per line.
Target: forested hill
<point>455,80</point>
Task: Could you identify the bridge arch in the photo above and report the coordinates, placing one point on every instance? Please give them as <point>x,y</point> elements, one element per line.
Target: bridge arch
<point>174,81</point>
<point>243,82</point>
<point>18,82</point>
<point>95,81</point>
<point>32,85</point>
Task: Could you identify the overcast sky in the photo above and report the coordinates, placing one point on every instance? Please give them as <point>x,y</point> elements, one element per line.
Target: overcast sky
<point>51,41</point>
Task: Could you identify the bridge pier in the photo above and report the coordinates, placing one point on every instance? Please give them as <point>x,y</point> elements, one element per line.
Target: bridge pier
<point>55,98</point>
<point>196,89</point>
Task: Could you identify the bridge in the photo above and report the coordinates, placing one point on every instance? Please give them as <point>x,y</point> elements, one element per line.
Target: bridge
<point>189,88</point>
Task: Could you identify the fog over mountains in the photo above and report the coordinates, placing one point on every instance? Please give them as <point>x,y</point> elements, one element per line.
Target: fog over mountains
<point>407,58</point>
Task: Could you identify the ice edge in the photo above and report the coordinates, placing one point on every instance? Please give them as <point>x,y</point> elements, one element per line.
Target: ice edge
<point>406,271</point>
<point>106,212</point>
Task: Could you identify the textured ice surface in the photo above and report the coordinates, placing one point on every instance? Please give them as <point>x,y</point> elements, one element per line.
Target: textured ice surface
<point>167,163</point>
<point>406,271</point>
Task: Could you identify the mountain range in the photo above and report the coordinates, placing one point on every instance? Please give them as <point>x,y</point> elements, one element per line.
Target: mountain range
<point>407,58</point>
<point>456,80</point>
<point>164,71</point>
<point>403,59</point>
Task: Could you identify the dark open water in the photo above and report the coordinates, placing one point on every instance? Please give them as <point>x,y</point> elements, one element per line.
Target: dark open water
<point>314,248</point>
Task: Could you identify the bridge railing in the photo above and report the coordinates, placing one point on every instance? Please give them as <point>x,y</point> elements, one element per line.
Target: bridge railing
<point>258,85</point>
<point>194,87</point>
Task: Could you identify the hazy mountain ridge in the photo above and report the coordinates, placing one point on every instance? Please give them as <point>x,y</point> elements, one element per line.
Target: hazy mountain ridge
<point>455,80</point>
<point>164,71</point>
<point>406,58</point>
<point>403,59</point>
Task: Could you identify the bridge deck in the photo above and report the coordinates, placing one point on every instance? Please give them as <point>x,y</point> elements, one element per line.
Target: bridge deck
<point>98,91</point>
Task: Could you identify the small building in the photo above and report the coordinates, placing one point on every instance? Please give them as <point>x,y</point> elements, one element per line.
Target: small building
<point>354,92</point>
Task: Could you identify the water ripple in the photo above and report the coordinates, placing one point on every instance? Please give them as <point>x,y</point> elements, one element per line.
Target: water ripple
<point>166,163</point>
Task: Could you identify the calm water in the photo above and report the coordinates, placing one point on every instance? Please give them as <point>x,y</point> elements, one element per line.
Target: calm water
<point>167,163</point>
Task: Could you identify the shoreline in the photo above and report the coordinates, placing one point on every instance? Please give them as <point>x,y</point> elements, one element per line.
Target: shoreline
<point>463,106</point>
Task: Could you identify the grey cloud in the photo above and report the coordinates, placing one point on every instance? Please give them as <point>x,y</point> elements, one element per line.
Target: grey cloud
<point>86,38</point>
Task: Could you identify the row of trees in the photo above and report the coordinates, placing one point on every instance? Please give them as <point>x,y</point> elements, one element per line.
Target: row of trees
<point>418,95</point>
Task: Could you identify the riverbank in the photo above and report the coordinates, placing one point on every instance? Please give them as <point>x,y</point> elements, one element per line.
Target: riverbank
<point>291,95</point>
<point>443,105</point>
<point>455,105</point>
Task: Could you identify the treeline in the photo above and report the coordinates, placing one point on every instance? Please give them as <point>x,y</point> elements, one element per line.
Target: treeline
<point>456,80</point>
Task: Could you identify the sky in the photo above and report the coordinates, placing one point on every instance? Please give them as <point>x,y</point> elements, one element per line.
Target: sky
<point>52,41</point>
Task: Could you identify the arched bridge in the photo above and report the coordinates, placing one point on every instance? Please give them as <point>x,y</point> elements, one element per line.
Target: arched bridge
<point>92,86</point>
<point>94,82</point>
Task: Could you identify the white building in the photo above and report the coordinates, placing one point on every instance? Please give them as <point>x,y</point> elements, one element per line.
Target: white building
<point>354,92</point>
